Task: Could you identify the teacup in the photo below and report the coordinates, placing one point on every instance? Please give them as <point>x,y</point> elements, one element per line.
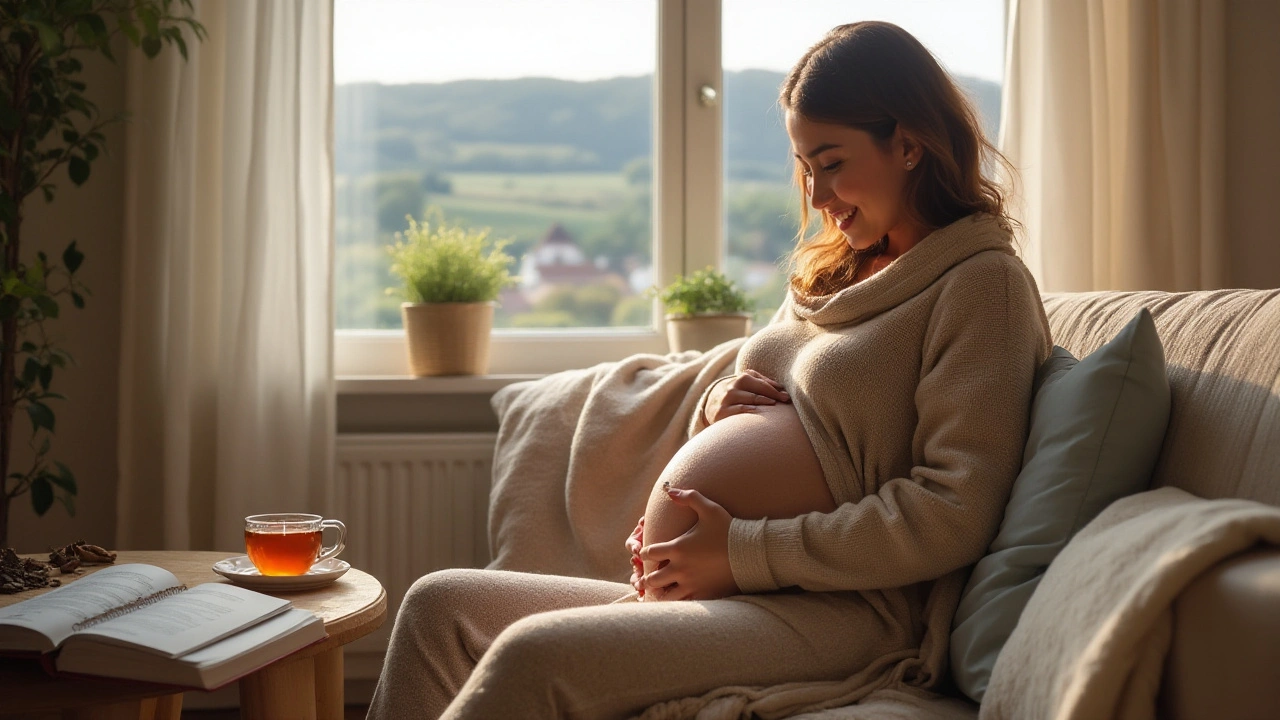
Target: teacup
<point>289,543</point>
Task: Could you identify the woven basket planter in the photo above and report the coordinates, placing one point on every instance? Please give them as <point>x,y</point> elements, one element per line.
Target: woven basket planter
<point>703,332</point>
<point>447,338</point>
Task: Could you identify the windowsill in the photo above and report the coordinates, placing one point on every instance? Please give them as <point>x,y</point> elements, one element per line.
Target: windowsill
<point>514,356</point>
<point>408,385</point>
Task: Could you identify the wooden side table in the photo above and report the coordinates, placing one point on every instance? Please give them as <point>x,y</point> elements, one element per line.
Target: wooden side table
<point>306,685</point>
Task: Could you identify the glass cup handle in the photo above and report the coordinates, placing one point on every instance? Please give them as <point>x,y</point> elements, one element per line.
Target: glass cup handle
<point>339,546</point>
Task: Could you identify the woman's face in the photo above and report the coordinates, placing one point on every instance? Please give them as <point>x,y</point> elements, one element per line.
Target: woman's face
<point>856,181</point>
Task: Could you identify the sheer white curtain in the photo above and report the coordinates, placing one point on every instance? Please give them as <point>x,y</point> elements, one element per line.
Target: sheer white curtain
<point>226,387</point>
<point>1114,115</point>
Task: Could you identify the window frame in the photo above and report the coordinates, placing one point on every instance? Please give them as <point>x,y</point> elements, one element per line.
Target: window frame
<point>687,224</point>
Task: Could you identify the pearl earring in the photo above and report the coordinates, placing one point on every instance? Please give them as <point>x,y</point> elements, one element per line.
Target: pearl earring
<point>908,164</point>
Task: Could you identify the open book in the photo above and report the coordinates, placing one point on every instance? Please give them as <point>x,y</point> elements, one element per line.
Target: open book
<point>139,622</point>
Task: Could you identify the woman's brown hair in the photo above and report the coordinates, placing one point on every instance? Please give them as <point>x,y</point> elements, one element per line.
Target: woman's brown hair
<point>876,77</point>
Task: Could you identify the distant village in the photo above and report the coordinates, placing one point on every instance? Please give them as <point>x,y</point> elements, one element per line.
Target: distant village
<point>557,261</point>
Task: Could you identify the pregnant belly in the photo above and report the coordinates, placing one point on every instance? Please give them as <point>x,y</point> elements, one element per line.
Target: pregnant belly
<point>753,464</point>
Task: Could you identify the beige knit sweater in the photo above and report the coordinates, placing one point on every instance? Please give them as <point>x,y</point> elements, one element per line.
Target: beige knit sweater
<point>914,387</point>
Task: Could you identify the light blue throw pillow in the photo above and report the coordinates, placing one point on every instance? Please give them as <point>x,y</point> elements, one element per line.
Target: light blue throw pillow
<point>1097,427</point>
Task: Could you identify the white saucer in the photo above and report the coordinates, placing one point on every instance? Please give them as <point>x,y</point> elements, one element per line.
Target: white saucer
<point>240,570</point>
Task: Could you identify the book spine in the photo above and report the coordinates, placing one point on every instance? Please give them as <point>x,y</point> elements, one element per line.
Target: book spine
<point>127,608</point>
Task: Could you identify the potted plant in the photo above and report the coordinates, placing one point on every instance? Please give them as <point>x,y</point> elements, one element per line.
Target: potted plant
<point>451,279</point>
<point>46,123</point>
<point>704,310</point>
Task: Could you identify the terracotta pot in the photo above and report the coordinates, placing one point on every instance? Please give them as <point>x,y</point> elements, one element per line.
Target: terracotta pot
<point>447,338</point>
<point>703,332</point>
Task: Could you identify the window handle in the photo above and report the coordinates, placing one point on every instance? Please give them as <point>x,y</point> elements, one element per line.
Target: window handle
<point>707,96</point>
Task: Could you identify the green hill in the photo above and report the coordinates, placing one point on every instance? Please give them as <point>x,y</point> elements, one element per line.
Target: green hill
<point>540,125</point>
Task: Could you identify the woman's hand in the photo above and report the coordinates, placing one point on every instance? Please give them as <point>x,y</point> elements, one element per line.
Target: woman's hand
<point>694,566</point>
<point>634,543</point>
<point>742,394</point>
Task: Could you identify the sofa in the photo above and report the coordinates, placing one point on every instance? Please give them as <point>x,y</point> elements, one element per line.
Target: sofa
<point>1222,351</point>
<point>550,512</point>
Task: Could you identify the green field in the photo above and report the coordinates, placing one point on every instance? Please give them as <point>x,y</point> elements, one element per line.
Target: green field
<point>608,217</point>
<point>523,222</point>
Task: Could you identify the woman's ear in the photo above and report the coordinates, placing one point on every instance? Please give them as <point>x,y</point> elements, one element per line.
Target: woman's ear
<point>909,151</point>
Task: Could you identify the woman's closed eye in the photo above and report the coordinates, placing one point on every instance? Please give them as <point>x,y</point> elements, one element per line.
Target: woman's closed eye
<point>832,167</point>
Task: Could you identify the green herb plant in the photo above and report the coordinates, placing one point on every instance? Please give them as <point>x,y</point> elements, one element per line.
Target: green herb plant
<point>439,262</point>
<point>46,122</point>
<point>706,291</point>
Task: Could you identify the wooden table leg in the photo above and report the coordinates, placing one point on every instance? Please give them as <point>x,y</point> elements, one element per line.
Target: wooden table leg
<point>282,691</point>
<point>166,707</point>
<point>329,698</point>
<point>169,707</point>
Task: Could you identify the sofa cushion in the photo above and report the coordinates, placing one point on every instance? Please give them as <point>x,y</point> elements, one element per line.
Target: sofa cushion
<point>1096,429</point>
<point>1222,351</point>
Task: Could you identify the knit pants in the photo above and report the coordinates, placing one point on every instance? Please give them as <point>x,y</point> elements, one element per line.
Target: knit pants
<point>496,644</point>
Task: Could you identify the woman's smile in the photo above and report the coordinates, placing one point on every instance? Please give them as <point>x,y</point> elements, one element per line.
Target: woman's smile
<point>844,218</point>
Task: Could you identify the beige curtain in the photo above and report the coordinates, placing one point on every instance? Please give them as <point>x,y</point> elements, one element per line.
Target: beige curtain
<point>1113,113</point>
<point>227,404</point>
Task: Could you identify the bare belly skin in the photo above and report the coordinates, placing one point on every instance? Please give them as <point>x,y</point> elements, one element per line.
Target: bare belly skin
<point>755,465</point>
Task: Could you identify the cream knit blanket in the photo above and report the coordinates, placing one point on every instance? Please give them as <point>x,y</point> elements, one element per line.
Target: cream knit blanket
<point>1092,641</point>
<point>578,453</point>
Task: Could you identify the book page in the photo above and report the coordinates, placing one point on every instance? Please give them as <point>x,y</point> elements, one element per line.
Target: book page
<point>209,667</point>
<point>55,613</point>
<point>265,634</point>
<point>187,621</point>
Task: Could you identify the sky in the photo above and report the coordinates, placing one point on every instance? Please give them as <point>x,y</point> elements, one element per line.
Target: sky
<point>407,41</point>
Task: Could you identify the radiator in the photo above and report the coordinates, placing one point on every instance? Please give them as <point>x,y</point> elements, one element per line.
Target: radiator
<point>412,504</point>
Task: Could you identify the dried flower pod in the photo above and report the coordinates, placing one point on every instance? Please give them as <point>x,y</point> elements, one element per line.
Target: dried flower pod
<point>61,556</point>
<point>65,558</point>
<point>93,554</point>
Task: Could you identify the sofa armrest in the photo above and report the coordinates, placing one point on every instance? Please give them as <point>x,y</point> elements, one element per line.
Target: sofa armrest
<point>1224,662</point>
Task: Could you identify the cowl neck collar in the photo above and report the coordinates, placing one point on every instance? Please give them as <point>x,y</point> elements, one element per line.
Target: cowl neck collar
<point>908,274</point>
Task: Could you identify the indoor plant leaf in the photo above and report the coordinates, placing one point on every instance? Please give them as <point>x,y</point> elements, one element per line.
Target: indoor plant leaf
<point>41,494</point>
<point>41,416</point>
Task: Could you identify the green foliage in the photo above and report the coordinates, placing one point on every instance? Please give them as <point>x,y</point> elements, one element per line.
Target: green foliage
<point>634,311</point>
<point>761,222</point>
<point>47,122</point>
<point>628,234</point>
<point>361,271</point>
<point>588,305</point>
<point>398,196</point>
<point>547,319</point>
<point>445,263</point>
<point>705,291</point>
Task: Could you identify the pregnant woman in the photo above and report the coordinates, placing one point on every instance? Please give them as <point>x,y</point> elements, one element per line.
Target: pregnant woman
<point>819,524</point>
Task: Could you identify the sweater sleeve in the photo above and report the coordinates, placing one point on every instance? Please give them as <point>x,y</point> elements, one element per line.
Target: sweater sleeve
<point>982,347</point>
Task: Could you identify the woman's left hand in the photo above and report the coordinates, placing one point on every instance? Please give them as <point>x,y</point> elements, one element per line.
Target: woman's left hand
<point>697,562</point>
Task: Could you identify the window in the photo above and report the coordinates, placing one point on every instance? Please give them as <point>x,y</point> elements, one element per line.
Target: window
<point>578,131</point>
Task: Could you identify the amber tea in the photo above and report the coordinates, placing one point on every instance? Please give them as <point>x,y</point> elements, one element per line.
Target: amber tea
<point>282,553</point>
<point>289,543</point>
